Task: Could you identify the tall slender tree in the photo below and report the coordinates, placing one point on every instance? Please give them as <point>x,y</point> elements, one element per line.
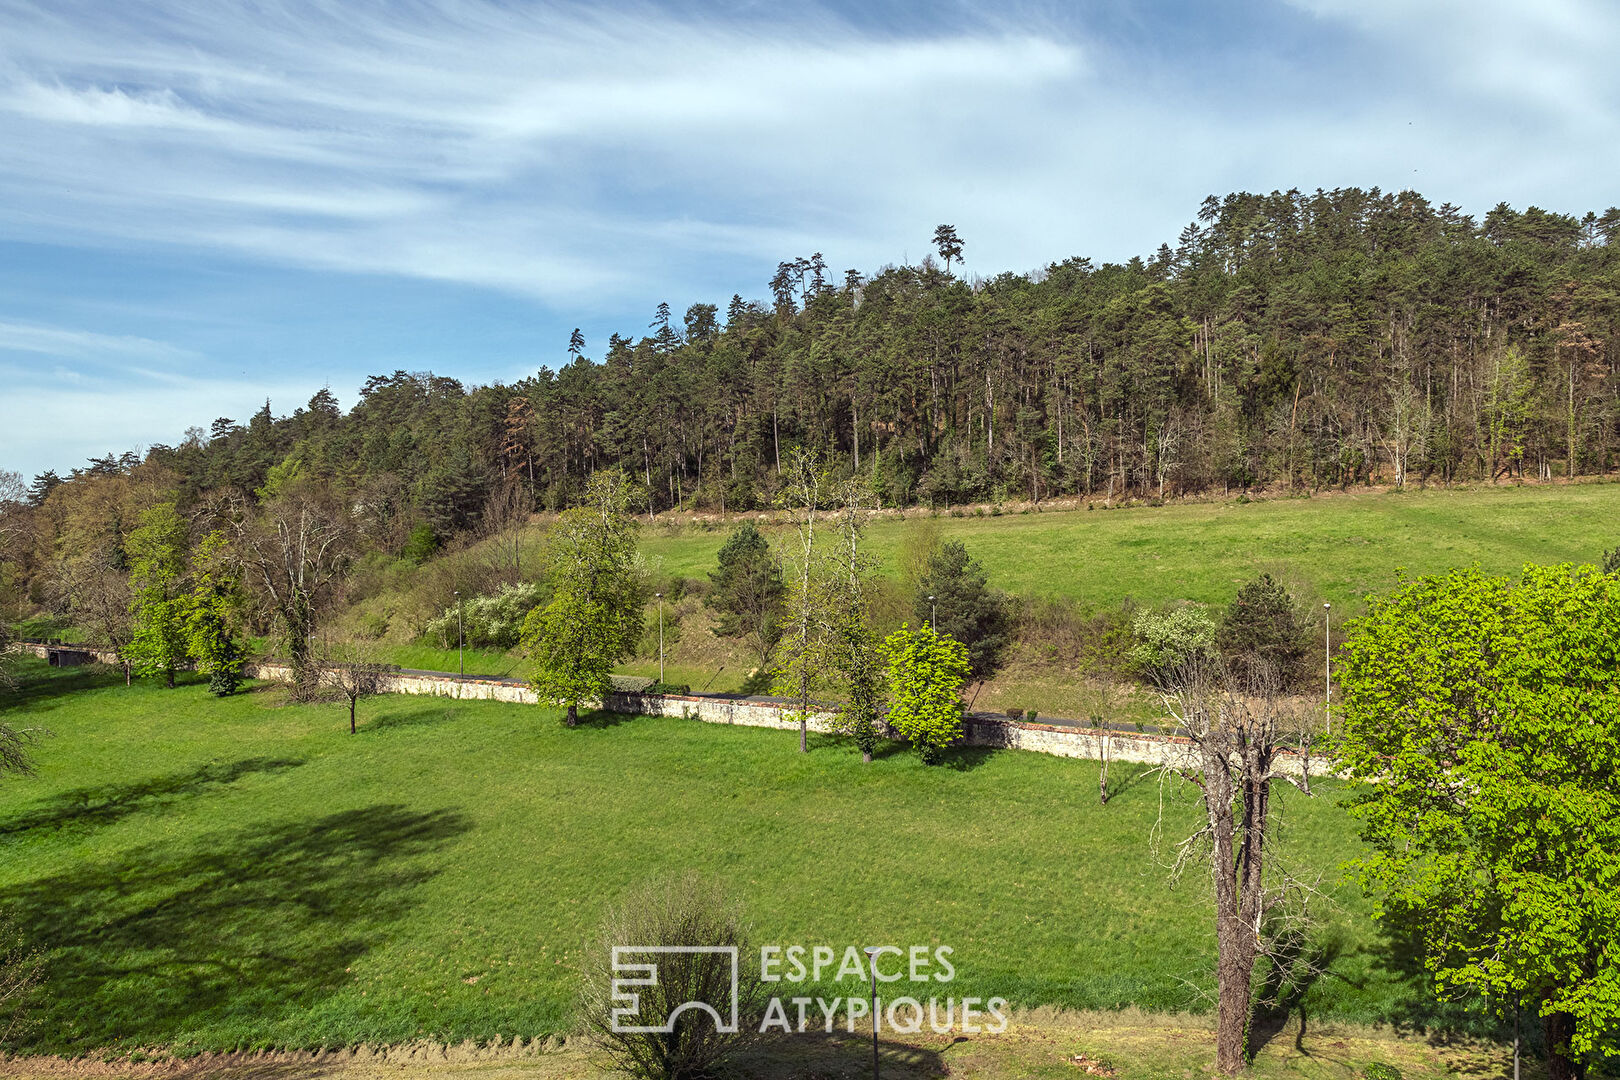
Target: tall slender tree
<point>158,549</point>
<point>594,618</point>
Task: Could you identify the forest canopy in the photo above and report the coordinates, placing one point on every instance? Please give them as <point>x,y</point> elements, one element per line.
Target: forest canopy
<point>1291,340</point>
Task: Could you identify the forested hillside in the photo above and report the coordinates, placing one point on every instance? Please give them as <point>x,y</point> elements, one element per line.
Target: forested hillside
<point>1286,340</point>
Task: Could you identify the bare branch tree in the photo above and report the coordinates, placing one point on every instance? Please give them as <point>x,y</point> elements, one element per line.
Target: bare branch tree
<point>297,550</point>
<point>349,673</point>
<point>1232,757</point>
<point>95,593</point>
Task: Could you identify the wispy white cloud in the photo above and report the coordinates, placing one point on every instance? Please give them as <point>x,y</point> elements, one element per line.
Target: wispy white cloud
<point>605,155</point>
<point>538,150</point>
<point>72,394</point>
<point>71,344</point>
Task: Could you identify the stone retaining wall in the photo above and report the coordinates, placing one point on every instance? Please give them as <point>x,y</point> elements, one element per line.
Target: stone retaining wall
<point>1060,740</point>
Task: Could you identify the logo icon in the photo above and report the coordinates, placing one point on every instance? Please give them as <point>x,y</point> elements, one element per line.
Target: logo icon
<point>627,975</point>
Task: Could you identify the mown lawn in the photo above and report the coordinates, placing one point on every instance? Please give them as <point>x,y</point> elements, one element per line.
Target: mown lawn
<point>207,874</point>
<point>1343,546</point>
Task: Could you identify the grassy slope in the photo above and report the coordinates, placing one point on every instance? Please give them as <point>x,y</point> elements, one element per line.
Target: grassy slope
<point>1346,545</point>
<point>213,874</point>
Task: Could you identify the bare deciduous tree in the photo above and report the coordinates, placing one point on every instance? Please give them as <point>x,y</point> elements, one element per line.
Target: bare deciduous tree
<point>95,593</point>
<point>297,550</point>
<point>1232,756</point>
<point>350,673</point>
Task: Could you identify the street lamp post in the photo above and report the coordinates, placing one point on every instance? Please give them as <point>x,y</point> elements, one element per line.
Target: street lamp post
<point>1327,658</point>
<point>461,637</point>
<point>871,962</point>
<point>660,638</point>
<point>933,613</point>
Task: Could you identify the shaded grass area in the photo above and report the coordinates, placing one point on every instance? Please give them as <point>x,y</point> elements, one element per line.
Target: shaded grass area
<point>1343,545</point>
<point>208,874</point>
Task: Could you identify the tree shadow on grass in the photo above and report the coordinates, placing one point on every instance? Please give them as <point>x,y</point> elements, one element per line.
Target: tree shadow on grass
<point>968,758</point>
<point>93,807</point>
<point>1295,965</point>
<point>422,716</point>
<point>600,718</point>
<point>38,683</point>
<point>228,933</point>
<point>1414,1007</point>
<point>1128,777</point>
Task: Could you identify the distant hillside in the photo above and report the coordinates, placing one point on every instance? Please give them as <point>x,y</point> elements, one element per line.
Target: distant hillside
<point>1288,339</point>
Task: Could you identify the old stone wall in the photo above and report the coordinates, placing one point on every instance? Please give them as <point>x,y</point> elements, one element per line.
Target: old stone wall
<point>1058,739</point>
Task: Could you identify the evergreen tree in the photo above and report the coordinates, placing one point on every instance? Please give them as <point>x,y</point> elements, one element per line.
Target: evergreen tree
<point>212,613</point>
<point>948,244</point>
<point>954,596</point>
<point>1261,638</point>
<point>748,592</point>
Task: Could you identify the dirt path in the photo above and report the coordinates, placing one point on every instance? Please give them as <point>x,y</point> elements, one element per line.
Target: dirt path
<point>1129,1045</point>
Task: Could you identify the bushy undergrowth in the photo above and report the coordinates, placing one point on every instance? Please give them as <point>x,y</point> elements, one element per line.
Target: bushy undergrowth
<point>490,621</point>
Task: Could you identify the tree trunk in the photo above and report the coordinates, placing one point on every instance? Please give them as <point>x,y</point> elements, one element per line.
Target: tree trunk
<point>171,678</point>
<point>866,757</point>
<point>351,716</point>
<point>1233,971</point>
<point>126,673</point>
<point>573,716</point>
<point>804,737</point>
<point>1559,1028</point>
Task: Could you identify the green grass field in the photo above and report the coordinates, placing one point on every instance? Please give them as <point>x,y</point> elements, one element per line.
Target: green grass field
<point>209,874</point>
<point>1343,545</point>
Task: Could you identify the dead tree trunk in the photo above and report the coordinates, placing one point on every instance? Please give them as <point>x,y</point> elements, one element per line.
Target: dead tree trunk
<point>1231,758</point>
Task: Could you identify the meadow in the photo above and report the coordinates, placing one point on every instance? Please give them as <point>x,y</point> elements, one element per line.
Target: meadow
<point>1341,546</point>
<point>207,874</point>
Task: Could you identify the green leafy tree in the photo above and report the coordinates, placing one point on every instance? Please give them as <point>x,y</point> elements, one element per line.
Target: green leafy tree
<point>1481,722</point>
<point>212,613</point>
<point>956,598</point>
<point>748,593</point>
<point>421,544</point>
<point>593,621</point>
<point>1261,638</point>
<point>926,672</point>
<point>1611,561</point>
<point>159,644</point>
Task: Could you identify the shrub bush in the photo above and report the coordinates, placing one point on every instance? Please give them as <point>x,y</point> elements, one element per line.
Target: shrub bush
<point>490,620</point>
<point>1169,639</point>
<point>686,911</point>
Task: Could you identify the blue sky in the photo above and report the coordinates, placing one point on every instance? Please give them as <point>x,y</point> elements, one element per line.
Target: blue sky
<point>208,203</point>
